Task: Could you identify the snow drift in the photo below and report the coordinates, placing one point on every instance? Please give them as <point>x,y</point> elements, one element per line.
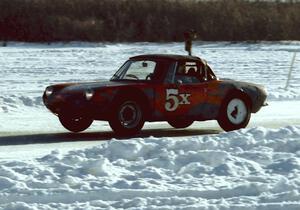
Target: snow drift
<point>246,169</point>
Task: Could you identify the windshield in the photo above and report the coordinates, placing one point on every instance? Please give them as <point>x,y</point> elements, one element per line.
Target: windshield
<point>135,70</point>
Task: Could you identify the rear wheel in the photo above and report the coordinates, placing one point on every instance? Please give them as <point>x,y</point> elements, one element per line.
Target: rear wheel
<point>180,123</point>
<point>127,118</point>
<point>235,112</point>
<point>75,123</point>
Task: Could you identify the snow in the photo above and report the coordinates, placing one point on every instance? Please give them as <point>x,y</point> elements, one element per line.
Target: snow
<point>263,63</point>
<point>254,168</point>
<point>42,166</point>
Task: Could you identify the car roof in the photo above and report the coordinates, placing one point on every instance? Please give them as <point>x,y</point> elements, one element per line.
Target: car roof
<point>166,56</point>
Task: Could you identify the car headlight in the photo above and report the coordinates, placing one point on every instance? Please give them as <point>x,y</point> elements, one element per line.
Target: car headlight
<point>89,94</point>
<point>49,91</point>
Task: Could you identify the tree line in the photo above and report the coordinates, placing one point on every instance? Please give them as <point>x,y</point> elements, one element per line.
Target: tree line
<point>148,20</point>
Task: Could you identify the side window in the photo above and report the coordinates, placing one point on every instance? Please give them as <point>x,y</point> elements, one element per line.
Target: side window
<point>188,72</point>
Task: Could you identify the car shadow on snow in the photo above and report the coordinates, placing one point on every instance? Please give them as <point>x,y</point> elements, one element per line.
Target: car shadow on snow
<point>98,136</point>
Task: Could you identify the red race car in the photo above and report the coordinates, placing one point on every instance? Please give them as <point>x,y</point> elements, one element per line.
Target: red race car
<point>173,88</point>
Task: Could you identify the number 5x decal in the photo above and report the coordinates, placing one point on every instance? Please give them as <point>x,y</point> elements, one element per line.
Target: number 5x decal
<point>173,99</point>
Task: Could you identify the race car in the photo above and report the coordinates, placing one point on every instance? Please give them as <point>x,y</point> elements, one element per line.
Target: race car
<point>156,87</point>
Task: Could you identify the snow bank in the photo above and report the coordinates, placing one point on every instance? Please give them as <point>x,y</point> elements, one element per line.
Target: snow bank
<point>255,168</point>
<point>13,103</point>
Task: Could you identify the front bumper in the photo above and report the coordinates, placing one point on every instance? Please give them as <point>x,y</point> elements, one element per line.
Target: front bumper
<point>58,104</point>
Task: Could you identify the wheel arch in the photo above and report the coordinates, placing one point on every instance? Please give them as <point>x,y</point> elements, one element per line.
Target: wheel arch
<point>247,98</point>
<point>136,94</point>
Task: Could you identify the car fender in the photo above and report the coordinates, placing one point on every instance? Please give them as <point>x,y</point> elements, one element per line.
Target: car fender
<point>143,95</point>
<point>247,89</point>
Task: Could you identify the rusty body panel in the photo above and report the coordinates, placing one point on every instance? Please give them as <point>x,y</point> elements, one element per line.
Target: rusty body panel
<point>172,92</point>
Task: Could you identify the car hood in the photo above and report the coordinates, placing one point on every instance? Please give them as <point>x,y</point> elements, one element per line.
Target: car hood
<point>92,85</point>
<point>80,87</point>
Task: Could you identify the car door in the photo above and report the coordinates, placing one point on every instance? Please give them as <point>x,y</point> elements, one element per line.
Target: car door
<point>182,93</point>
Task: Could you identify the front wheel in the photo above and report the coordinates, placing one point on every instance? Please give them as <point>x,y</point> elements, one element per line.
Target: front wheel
<point>127,118</point>
<point>235,112</point>
<point>180,123</point>
<point>75,123</point>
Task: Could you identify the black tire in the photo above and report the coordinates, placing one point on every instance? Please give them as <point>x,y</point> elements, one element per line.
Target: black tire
<point>180,123</point>
<point>235,112</point>
<point>127,118</point>
<point>75,123</point>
